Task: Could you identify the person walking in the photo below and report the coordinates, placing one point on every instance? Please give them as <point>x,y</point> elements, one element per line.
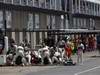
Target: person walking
<point>80,49</point>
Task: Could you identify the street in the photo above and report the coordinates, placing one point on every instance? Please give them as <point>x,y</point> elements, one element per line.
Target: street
<point>89,67</point>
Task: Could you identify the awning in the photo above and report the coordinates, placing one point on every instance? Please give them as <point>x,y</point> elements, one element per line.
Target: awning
<point>67,31</point>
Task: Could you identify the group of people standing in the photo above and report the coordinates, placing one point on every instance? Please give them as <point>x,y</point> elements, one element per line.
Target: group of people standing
<point>79,45</point>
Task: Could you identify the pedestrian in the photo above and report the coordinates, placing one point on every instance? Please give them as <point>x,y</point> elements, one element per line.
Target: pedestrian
<point>80,49</point>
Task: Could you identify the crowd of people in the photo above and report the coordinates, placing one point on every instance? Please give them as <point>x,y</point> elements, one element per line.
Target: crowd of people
<point>50,52</point>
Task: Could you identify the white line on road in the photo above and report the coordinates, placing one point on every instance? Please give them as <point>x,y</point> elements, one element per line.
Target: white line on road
<point>87,70</point>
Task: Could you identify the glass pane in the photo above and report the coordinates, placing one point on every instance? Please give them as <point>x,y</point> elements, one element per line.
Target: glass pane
<point>30,22</point>
<point>52,4</point>
<point>42,3</point>
<point>36,20</point>
<point>1,19</point>
<point>58,4</point>
<point>1,0</point>
<point>23,2</point>
<point>36,3</point>
<point>8,19</point>
<point>30,2</point>
<point>16,1</point>
<point>53,22</point>
<point>47,3</point>
<point>8,1</point>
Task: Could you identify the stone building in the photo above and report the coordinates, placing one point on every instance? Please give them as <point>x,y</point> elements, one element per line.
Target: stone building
<point>21,17</point>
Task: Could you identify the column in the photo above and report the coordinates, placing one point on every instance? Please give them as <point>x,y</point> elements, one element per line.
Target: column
<point>13,35</point>
<point>28,36</point>
<point>40,37</point>
<point>78,25</point>
<point>20,37</point>
<point>66,22</point>
<point>34,39</point>
<point>56,37</point>
<point>45,34</point>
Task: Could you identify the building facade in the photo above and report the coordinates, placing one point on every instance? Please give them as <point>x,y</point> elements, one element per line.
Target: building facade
<point>21,17</point>
<point>85,14</point>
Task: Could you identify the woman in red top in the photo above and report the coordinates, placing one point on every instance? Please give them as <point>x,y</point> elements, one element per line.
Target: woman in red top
<point>68,51</point>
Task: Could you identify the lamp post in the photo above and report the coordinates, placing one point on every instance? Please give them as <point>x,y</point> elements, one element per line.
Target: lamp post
<point>4,21</point>
<point>5,35</point>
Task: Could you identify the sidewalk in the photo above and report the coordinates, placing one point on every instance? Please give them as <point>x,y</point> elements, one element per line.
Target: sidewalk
<point>86,56</point>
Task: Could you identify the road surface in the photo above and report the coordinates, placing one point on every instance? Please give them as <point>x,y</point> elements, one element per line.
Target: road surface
<point>89,67</point>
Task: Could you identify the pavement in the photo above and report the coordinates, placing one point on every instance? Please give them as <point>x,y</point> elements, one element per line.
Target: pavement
<point>24,70</point>
<point>87,56</point>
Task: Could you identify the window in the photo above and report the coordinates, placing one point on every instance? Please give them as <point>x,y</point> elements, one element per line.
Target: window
<point>36,3</point>
<point>8,19</point>
<point>30,2</point>
<point>95,9</point>
<point>58,4</point>
<point>63,4</point>
<point>36,21</point>
<point>16,1</point>
<point>47,3</point>
<point>42,3</point>
<point>30,22</point>
<point>8,1</point>
<point>23,2</point>
<point>73,5</point>
<point>92,8</point>
<point>87,8</point>
<point>52,4</point>
<point>53,22</point>
<point>1,0</point>
<point>48,22</point>
<point>1,19</point>
<point>98,9</point>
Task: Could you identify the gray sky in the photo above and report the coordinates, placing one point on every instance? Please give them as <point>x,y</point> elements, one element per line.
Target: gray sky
<point>96,1</point>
